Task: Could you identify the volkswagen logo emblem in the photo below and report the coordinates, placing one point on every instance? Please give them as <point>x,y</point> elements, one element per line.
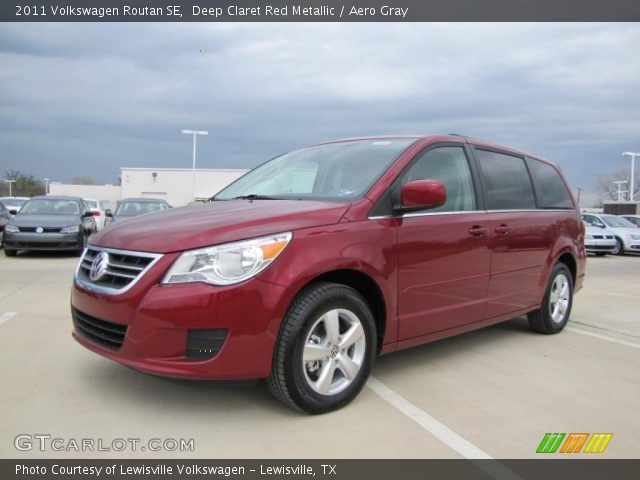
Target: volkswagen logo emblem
<point>39,230</point>
<point>99,266</point>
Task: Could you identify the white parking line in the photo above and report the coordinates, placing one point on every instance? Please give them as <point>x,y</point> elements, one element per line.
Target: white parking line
<point>426,421</point>
<point>443,433</point>
<point>5,317</point>
<point>604,337</point>
<point>626,295</point>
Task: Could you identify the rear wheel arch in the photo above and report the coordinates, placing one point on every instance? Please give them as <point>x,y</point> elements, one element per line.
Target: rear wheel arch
<point>569,260</point>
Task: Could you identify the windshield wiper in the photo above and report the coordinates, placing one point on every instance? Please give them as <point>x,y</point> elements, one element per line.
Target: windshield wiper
<point>255,196</point>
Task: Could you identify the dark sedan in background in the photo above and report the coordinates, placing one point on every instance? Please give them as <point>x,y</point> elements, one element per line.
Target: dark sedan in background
<point>49,223</point>
<point>132,207</point>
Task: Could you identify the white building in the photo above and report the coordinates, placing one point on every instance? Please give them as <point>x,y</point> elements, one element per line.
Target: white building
<point>175,185</point>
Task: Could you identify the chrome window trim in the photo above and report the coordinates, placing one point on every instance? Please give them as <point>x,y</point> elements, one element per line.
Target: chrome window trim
<point>108,290</point>
<point>459,212</point>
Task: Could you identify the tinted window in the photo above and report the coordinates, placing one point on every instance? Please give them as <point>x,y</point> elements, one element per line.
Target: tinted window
<point>447,165</point>
<point>506,181</point>
<point>551,190</point>
<point>591,220</point>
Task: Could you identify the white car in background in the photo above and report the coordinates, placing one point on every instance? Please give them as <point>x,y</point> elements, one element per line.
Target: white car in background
<point>599,240</point>
<point>13,203</point>
<point>635,219</point>
<point>98,210</point>
<point>626,234</point>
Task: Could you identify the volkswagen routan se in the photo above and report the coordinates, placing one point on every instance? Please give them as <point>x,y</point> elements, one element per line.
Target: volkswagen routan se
<point>312,264</point>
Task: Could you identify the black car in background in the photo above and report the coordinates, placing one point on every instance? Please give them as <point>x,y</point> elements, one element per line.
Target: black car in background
<point>5,216</point>
<point>49,223</point>
<point>132,207</point>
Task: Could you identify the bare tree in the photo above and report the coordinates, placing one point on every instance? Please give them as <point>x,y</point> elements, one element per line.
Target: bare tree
<point>24,186</point>
<point>82,181</point>
<point>605,186</point>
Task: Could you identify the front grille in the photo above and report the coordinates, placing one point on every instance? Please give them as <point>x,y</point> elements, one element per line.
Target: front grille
<point>44,229</point>
<point>107,334</point>
<point>598,237</point>
<point>123,268</point>
<point>42,245</point>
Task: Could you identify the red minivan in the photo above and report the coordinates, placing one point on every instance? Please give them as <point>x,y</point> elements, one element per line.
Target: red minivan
<point>309,266</point>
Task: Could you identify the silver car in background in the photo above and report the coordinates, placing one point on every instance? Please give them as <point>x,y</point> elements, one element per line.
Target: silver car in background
<point>599,240</point>
<point>626,234</point>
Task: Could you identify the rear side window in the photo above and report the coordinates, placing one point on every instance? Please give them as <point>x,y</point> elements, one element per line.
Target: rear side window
<point>506,181</point>
<point>551,190</point>
<point>448,165</point>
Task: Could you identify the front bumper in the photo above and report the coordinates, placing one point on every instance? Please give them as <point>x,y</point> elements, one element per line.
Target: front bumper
<point>157,321</point>
<point>42,241</point>
<point>632,246</point>
<point>596,245</point>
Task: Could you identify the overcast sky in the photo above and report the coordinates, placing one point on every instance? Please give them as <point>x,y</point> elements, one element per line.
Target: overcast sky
<point>87,99</point>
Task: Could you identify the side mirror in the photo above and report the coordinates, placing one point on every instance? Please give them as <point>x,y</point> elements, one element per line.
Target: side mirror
<point>421,194</point>
<point>602,225</point>
<point>108,213</point>
<point>13,212</point>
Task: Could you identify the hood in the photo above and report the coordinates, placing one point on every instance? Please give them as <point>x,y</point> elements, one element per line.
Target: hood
<point>195,226</point>
<point>46,220</point>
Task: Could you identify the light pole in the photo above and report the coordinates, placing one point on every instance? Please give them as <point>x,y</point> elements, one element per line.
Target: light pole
<point>620,191</point>
<point>46,186</point>
<point>633,166</point>
<point>10,182</point>
<point>195,133</point>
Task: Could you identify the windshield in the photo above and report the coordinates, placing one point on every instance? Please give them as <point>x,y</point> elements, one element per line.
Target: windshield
<point>131,209</point>
<point>18,202</point>
<point>334,171</point>
<point>612,221</point>
<point>50,207</point>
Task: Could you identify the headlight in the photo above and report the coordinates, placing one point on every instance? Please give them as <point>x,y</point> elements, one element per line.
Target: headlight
<point>74,229</point>
<point>229,263</point>
<point>11,229</point>
<point>635,236</point>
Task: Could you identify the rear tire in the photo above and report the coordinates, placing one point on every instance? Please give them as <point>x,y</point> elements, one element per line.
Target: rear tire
<point>10,253</point>
<point>553,314</point>
<point>325,349</point>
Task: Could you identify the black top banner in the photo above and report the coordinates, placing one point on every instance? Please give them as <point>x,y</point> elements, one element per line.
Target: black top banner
<point>319,10</point>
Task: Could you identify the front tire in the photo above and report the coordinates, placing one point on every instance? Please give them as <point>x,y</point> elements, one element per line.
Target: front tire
<point>601,254</point>
<point>325,349</point>
<point>10,253</point>
<point>79,252</point>
<point>553,314</point>
<point>619,249</point>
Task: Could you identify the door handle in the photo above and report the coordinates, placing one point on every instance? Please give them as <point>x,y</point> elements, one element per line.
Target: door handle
<point>502,229</point>
<point>477,231</point>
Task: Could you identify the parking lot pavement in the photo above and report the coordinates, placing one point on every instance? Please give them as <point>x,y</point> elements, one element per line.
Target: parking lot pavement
<point>494,392</point>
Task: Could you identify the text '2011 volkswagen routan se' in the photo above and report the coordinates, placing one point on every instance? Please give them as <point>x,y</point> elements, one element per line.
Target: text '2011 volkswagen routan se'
<point>312,264</point>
